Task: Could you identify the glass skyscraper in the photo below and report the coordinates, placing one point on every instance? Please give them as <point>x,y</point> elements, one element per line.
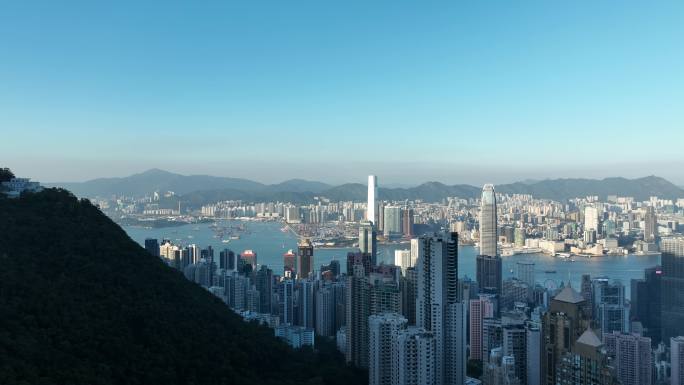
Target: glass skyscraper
<point>488,261</point>
<point>488,229</point>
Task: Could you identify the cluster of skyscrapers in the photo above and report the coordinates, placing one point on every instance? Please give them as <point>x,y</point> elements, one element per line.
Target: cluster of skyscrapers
<point>416,322</point>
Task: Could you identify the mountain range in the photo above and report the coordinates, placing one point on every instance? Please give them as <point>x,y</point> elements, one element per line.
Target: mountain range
<point>159,180</point>
<point>196,190</point>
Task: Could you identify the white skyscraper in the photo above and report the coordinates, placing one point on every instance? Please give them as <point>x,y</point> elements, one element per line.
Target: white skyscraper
<point>413,357</point>
<point>438,309</point>
<point>402,258</point>
<point>591,218</point>
<point>415,242</point>
<point>382,333</point>
<point>371,214</point>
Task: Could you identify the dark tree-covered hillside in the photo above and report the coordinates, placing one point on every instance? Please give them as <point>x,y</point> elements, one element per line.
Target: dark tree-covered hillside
<point>5,174</point>
<point>81,303</point>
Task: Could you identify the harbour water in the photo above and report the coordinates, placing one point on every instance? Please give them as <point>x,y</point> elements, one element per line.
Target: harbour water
<point>266,239</point>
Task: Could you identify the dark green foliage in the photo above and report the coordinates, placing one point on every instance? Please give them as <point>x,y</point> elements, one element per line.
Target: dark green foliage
<point>81,303</point>
<point>5,174</point>
<point>474,369</point>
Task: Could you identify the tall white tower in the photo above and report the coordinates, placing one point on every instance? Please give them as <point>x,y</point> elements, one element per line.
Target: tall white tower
<point>371,214</point>
<point>591,218</point>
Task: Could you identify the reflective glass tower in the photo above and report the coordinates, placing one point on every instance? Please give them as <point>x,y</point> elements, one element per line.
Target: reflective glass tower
<point>488,228</point>
<point>488,261</point>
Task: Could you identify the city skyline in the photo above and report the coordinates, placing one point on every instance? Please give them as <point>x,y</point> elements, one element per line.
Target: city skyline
<point>405,308</point>
<point>381,193</point>
<point>547,90</point>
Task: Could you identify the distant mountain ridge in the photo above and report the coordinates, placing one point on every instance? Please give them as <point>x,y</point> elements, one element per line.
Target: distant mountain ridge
<point>197,190</point>
<point>145,183</point>
<point>563,189</point>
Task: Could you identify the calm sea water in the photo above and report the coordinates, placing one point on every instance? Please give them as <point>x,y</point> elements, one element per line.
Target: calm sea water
<point>270,243</point>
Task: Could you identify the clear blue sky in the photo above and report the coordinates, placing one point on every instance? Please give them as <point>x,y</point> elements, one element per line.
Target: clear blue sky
<point>333,90</point>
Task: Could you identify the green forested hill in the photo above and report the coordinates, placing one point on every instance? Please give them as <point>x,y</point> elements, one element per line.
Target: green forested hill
<point>81,303</point>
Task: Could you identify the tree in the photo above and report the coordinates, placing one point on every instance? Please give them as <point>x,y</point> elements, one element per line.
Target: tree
<point>474,368</point>
<point>6,174</point>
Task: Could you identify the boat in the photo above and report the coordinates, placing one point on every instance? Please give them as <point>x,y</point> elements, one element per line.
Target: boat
<point>225,241</point>
<point>550,271</point>
<point>234,237</point>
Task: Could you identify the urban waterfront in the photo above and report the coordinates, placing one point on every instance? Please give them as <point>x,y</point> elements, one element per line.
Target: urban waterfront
<point>266,239</point>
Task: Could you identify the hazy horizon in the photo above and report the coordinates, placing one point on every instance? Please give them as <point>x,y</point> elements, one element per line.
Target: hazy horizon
<point>389,176</point>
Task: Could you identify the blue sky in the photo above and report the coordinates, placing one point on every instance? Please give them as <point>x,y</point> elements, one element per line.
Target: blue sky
<point>454,91</point>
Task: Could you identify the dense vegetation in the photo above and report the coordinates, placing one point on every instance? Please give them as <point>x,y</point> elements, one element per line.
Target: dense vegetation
<point>5,174</point>
<point>81,303</point>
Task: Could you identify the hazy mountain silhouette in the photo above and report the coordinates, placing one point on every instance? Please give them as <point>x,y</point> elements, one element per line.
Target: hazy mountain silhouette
<point>196,190</point>
<point>562,189</point>
<point>147,182</point>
